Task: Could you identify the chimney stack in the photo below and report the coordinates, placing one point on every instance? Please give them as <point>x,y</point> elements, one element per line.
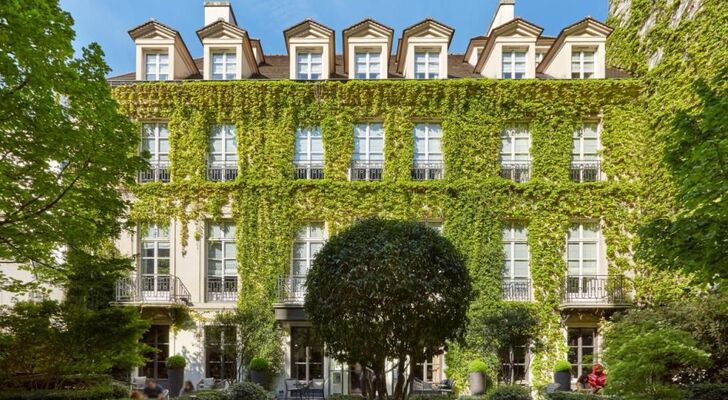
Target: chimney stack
<point>505,13</point>
<point>219,10</point>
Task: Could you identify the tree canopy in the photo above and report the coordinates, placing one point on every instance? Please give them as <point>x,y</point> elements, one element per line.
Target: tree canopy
<point>383,290</point>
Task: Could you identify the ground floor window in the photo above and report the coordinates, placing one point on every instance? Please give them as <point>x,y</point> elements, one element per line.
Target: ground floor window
<point>429,370</point>
<point>221,359</point>
<point>156,367</point>
<point>514,363</point>
<point>307,355</point>
<point>582,349</point>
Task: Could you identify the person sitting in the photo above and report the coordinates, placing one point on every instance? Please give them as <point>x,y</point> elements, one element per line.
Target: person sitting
<point>152,390</point>
<point>597,378</point>
<point>187,389</point>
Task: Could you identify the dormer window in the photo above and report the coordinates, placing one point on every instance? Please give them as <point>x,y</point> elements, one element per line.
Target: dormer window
<point>224,65</point>
<point>427,64</point>
<point>582,63</point>
<point>514,64</point>
<point>368,64</point>
<point>309,65</point>
<point>156,66</point>
<point>539,56</point>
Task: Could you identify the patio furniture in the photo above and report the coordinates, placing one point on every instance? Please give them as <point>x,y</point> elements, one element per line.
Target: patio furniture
<point>206,383</point>
<point>447,386</point>
<point>315,389</point>
<point>294,389</point>
<point>138,383</point>
<point>422,388</point>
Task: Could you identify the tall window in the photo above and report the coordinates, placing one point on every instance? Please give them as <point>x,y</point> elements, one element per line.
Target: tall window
<point>307,355</point>
<point>221,352</point>
<point>516,284</point>
<point>583,261</point>
<point>223,154</point>
<point>429,370</point>
<point>582,64</point>
<point>585,154</point>
<point>222,266</point>
<point>309,154</point>
<point>514,64</point>
<point>582,350</point>
<point>155,263</point>
<point>515,153</point>
<point>224,64</point>
<point>427,64</point>
<point>156,337</point>
<point>368,157</point>
<point>309,241</point>
<point>309,65</point>
<point>514,360</point>
<point>155,142</point>
<point>156,67</point>
<point>428,162</point>
<point>368,65</point>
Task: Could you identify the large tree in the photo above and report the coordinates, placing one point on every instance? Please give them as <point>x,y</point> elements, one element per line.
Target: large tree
<point>387,290</point>
<point>64,147</point>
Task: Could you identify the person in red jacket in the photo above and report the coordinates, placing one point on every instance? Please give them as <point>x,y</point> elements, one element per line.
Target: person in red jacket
<point>597,378</point>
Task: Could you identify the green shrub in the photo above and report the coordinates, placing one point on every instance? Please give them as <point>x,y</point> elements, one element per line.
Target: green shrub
<point>510,392</point>
<point>209,395</point>
<point>578,396</point>
<point>432,397</point>
<point>562,366</point>
<point>259,364</point>
<point>93,393</point>
<point>707,391</point>
<point>176,362</point>
<point>478,366</point>
<point>248,391</point>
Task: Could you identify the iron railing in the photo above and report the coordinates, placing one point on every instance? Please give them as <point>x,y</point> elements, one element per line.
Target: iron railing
<point>292,289</point>
<point>308,170</point>
<point>516,289</point>
<point>221,289</point>
<point>517,171</point>
<point>427,171</point>
<point>595,290</point>
<point>222,172</point>
<point>161,288</point>
<point>158,172</point>
<point>585,171</point>
<point>366,170</point>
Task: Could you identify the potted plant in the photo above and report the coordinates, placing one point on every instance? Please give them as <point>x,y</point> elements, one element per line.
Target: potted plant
<point>562,375</point>
<point>478,370</point>
<point>258,370</point>
<point>176,373</point>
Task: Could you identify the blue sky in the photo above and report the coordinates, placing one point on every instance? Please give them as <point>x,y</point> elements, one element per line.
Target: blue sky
<point>107,21</point>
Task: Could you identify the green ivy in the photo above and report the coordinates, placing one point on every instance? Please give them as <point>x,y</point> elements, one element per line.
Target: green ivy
<point>269,206</point>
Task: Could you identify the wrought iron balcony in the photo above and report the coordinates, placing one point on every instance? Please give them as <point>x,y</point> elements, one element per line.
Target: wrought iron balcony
<point>221,289</point>
<point>291,289</point>
<point>517,171</point>
<point>366,171</point>
<point>516,289</point>
<point>308,170</point>
<point>157,172</point>
<point>222,172</point>
<point>151,289</point>
<point>585,171</point>
<point>583,291</point>
<point>427,171</point>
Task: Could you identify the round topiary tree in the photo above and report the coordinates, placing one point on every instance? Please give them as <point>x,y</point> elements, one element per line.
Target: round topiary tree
<point>387,290</point>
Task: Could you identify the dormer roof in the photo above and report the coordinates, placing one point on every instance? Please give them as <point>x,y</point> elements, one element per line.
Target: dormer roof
<point>366,28</point>
<point>517,27</point>
<point>258,47</point>
<point>153,29</point>
<point>311,29</point>
<point>426,28</point>
<point>475,42</point>
<point>225,30</point>
<point>586,27</point>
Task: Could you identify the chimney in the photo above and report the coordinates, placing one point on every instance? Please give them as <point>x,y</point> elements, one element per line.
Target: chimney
<point>219,10</point>
<point>505,13</point>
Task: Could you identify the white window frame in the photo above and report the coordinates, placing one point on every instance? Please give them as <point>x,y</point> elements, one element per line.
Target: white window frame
<point>160,238</point>
<point>308,74</point>
<point>539,57</point>
<point>580,155</point>
<point>367,153</point>
<point>157,66</point>
<point>308,135</point>
<point>431,59</point>
<point>580,54</point>
<point>304,237</point>
<point>229,65</point>
<point>157,128</point>
<point>509,57</point>
<point>432,131</point>
<point>509,249</point>
<point>223,133</point>
<point>581,240</point>
<point>211,240</point>
<point>369,72</point>
<point>512,132</point>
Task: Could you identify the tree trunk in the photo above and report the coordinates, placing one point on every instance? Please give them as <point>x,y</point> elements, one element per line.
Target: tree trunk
<point>399,389</point>
<point>380,379</point>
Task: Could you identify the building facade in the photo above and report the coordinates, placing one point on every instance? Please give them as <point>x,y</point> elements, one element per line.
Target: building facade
<point>526,151</point>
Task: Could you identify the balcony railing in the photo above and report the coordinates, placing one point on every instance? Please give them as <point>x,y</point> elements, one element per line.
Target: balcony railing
<point>157,172</point>
<point>152,289</point>
<point>427,171</point>
<point>595,290</point>
<point>366,170</point>
<point>516,289</point>
<point>291,289</point>
<point>585,171</point>
<point>308,170</point>
<point>222,172</point>
<point>222,289</point>
<point>517,171</point>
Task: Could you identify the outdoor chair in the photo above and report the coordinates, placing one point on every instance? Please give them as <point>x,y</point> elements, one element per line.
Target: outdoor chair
<point>422,388</point>
<point>315,389</point>
<point>138,383</point>
<point>206,383</point>
<point>293,389</point>
<point>447,386</point>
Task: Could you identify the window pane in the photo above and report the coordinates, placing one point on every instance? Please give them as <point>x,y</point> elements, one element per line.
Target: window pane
<point>520,251</point>
<point>299,250</point>
<point>230,250</point>
<point>589,251</point>
<point>520,269</point>
<point>317,231</point>
<point>214,250</point>
<point>573,252</point>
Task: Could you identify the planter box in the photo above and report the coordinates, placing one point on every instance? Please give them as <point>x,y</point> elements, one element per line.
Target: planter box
<point>477,384</point>
<point>258,377</point>
<point>563,379</point>
<point>175,381</point>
